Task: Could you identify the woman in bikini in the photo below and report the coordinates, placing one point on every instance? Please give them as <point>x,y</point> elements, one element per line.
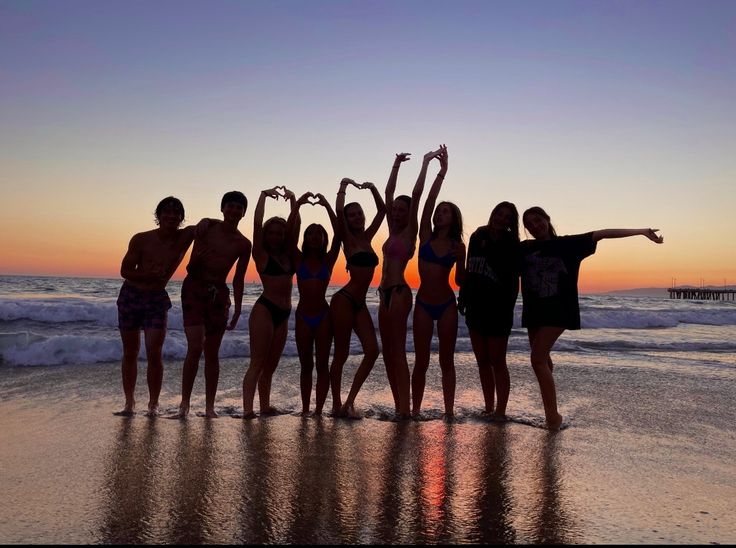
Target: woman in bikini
<point>440,249</point>
<point>348,311</point>
<point>550,265</point>
<point>312,326</point>
<point>395,294</point>
<point>269,318</point>
<point>488,298</point>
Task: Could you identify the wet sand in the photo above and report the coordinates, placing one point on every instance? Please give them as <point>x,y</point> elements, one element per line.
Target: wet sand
<point>72,472</point>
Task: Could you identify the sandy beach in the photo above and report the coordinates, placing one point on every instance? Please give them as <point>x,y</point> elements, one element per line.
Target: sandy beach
<point>628,468</point>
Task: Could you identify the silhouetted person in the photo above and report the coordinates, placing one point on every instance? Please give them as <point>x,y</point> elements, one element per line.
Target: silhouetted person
<point>143,303</point>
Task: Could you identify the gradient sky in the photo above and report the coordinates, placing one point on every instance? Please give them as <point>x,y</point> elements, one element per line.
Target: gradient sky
<point>609,114</point>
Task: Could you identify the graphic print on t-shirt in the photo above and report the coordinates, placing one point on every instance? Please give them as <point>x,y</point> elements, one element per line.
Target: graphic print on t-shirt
<point>545,274</point>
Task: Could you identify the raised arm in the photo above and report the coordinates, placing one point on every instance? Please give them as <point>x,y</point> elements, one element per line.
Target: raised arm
<point>380,210</point>
<point>294,220</point>
<point>336,240</point>
<point>340,208</point>
<point>391,184</point>
<point>425,227</point>
<point>650,233</point>
<point>292,230</point>
<point>258,222</point>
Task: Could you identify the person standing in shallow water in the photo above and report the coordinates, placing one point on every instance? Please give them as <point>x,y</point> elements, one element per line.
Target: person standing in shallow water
<point>440,248</point>
<point>347,307</point>
<point>143,303</point>
<point>205,297</point>
<point>268,324</point>
<point>312,325</point>
<point>488,298</point>
<point>549,276</point>
<point>395,293</point>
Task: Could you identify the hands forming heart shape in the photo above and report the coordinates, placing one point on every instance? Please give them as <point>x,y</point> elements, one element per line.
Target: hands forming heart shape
<point>312,199</point>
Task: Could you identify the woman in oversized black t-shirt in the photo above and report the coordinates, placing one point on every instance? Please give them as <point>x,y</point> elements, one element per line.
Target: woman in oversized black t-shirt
<point>549,286</point>
<point>488,297</point>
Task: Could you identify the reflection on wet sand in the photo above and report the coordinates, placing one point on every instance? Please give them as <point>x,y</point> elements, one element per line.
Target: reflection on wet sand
<point>319,481</point>
<point>129,493</point>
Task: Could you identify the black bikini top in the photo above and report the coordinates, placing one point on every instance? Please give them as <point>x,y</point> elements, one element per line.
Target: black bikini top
<point>363,258</point>
<point>274,268</point>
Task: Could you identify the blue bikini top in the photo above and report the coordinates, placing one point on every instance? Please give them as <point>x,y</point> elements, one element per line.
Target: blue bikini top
<point>303,273</point>
<point>426,253</point>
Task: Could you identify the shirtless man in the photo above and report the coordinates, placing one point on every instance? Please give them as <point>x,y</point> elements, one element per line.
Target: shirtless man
<point>205,297</point>
<point>151,260</point>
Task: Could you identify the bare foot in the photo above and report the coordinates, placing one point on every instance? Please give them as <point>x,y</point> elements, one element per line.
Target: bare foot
<point>348,411</point>
<point>181,414</point>
<point>336,411</point>
<point>126,412</point>
<point>153,410</point>
<point>211,414</point>
<point>245,416</point>
<point>554,423</point>
<point>448,417</point>
<point>270,410</point>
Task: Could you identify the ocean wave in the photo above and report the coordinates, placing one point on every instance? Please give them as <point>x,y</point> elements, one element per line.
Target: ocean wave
<point>103,312</point>
<point>32,349</point>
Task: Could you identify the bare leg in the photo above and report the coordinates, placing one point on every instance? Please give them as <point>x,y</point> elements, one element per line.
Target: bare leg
<point>341,314</point>
<point>195,345</point>
<point>155,374</point>
<point>131,346</point>
<point>542,339</point>
<point>272,361</point>
<point>304,346</point>
<point>211,371</point>
<point>260,330</point>
<point>481,349</point>
<point>367,335</point>
<point>423,328</point>
<point>323,341</point>
<point>384,328</point>
<point>497,350</point>
<point>447,332</point>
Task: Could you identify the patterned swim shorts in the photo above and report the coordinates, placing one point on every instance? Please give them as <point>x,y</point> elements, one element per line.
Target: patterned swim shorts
<point>140,308</point>
<point>204,303</point>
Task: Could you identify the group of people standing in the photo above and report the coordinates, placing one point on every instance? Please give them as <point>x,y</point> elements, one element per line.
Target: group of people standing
<point>487,273</point>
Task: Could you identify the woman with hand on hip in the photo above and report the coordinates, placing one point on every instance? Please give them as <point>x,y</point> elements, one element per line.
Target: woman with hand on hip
<point>312,325</point>
<point>440,248</point>
<point>347,307</point>
<point>269,318</point>
<point>549,284</point>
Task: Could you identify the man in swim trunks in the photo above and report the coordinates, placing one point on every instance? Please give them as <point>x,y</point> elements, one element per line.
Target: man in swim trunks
<point>205,297</point>
<point>143,303</point>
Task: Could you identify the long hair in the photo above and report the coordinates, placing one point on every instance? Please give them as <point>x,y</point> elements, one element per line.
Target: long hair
<point>345,212</point>
<point>513,231</point>
<point>456,226</point>
<point>542,213</point>
<point>322,251</point>
<point>266,225</point>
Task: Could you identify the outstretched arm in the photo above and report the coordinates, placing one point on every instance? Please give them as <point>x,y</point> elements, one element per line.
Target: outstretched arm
<point>425,228</point>
<point>650,233</point>
<point>391,184</point>
<point>380,210</point>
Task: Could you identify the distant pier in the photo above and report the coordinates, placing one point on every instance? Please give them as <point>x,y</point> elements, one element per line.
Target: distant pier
<point>702,294</point>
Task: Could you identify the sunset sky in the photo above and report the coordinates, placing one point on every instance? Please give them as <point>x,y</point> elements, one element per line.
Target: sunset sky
<point>609,114</point>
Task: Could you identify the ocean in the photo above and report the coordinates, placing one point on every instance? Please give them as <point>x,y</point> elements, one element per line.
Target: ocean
<point>60,321</point>
<point>647,391</point>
